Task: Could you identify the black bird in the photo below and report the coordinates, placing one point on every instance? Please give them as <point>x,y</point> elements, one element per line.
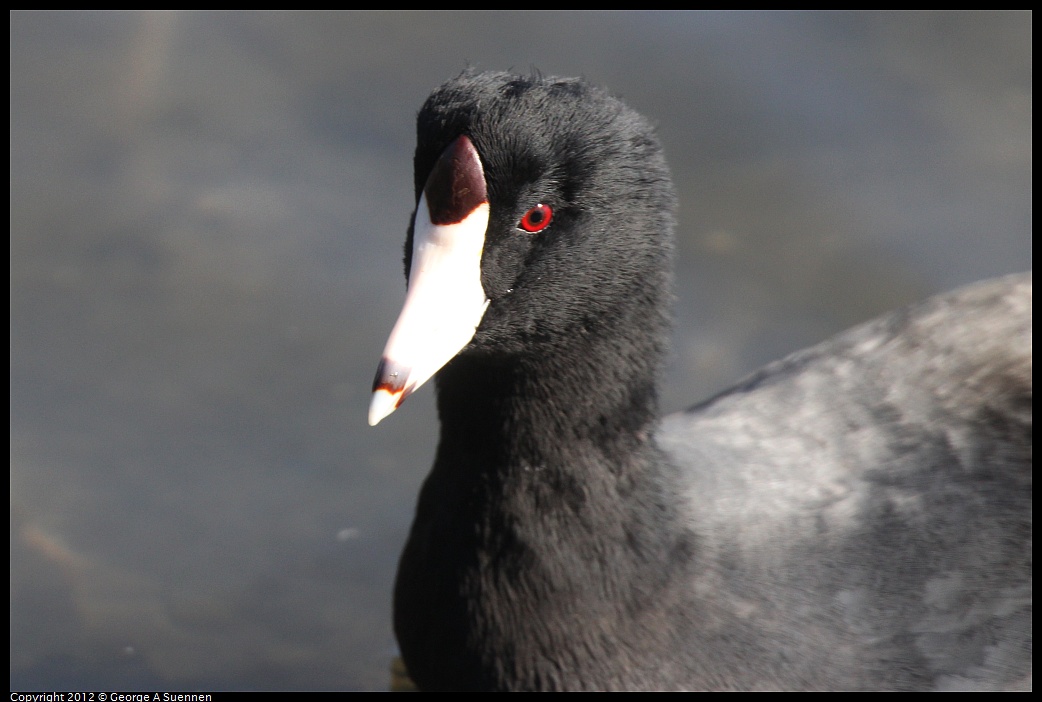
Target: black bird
<point>855,516</point>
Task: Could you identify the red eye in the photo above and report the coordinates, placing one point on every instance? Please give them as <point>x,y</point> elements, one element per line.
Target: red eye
<point>536,219</point>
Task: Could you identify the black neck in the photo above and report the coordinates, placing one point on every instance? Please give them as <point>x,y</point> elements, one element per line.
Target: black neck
<point>547,492</point>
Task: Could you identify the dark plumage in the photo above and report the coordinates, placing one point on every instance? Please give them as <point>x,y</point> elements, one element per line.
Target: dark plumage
<point>856,516</point>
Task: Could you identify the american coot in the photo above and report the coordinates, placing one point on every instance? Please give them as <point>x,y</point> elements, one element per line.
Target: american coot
<point>857,515</point>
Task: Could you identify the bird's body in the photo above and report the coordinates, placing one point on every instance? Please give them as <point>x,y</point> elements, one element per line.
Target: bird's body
<point>856,516</point>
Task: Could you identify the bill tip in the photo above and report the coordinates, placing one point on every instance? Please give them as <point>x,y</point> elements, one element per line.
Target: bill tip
<point>382,404</point>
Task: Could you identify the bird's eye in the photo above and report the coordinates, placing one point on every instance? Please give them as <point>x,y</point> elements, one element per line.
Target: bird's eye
<point>536,219</point>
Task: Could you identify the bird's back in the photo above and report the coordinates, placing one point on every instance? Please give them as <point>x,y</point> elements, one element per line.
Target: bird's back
<point>867,502</point>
